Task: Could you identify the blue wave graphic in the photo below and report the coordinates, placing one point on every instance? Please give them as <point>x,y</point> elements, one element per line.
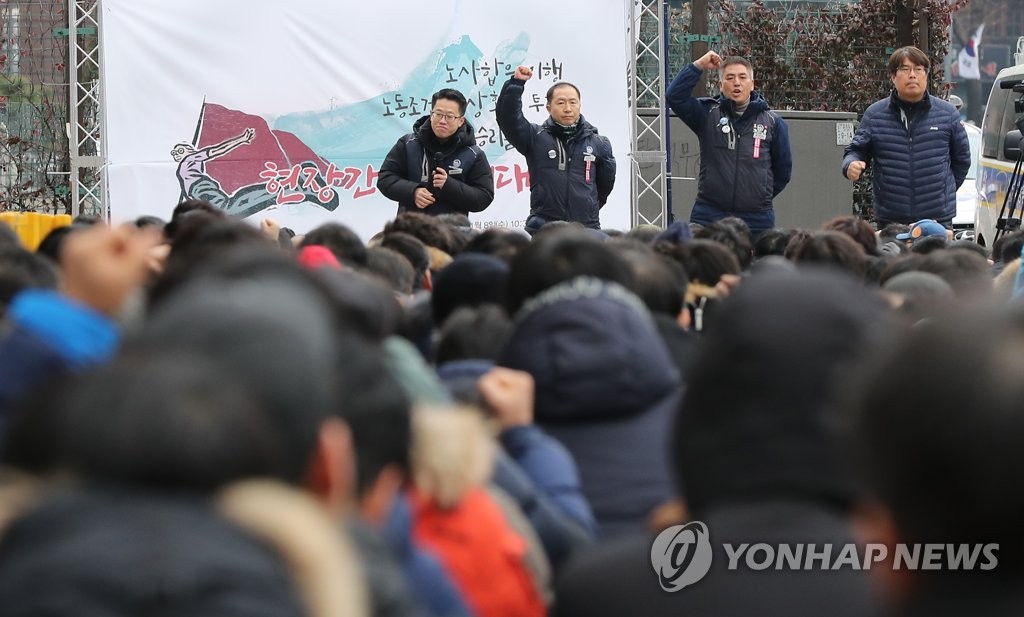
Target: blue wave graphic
<point>360,132</point>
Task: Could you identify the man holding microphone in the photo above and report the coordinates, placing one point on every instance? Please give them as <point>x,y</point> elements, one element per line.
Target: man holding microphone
<point>438,168</point>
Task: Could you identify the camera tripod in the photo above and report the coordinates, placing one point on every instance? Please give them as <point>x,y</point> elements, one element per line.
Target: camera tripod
<point>1012,199</point>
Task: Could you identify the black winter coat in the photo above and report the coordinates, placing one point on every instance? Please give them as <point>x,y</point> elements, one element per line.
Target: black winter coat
<point>470,185</point>
<point>617,578</point>
<point>102,554</point>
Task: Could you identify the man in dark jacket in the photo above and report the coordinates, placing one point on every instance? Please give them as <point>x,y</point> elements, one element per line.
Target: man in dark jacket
<point>919,147</point>
<point>745,160</point>
<point>572,168</point>
<point>963,418</point>
<point>758,455</point>
<point>438,168</point>
<point>607,389</point>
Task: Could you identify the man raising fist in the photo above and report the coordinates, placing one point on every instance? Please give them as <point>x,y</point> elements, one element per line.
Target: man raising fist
<point>745,159</point>
<point>572,168</point>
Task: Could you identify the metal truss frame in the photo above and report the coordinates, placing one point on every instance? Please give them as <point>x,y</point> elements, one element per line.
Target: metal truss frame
<point>649,143</point>
<point>86,114</point>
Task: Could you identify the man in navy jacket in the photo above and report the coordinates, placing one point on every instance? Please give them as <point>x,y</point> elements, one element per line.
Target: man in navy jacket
<point>919,147</point>
<point>572,168</point>
<point>745,160</point>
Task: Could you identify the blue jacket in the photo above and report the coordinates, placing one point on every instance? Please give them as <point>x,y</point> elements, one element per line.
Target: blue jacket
<point>49,336</point>
<point>569,181</point>
<point>917,168</point>
<point>735,176</point>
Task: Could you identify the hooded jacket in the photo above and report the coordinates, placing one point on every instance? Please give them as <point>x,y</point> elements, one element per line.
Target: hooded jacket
<point>917,167</point>
<point>411,162</point>
<point>741,170</point>
<point>606,388</point>
<point>569,180</point>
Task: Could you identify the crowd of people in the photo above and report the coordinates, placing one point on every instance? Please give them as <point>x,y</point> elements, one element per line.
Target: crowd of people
<point>206,417</point>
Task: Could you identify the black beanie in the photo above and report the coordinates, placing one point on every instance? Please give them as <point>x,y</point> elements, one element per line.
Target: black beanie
<point>470,280</point>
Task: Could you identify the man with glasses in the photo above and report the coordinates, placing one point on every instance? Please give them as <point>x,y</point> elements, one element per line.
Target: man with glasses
<point>572,168</point>
<point>917,144</point>
<point>438,168</point>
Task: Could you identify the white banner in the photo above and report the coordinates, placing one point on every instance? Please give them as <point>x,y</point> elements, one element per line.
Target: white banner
<point>286,110</point>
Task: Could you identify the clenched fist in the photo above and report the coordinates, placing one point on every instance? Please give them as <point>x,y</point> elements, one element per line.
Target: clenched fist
<point>710,60</point>
<point>855,169</point>
<point>523,73</point>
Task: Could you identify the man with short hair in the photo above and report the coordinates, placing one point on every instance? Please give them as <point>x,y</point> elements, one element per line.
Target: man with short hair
<point>438,168</point>
<point>745,159</point>
<point>572,168</point>
<point>917,143</point>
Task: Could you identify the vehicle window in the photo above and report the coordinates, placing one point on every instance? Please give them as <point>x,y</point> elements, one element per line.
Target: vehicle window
<point>975,140</point>
<point>993,122</point>
<point>1009,115</point>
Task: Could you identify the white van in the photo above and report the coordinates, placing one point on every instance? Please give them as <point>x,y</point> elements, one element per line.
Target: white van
<point>967,195</point>
<point>1000,150</point>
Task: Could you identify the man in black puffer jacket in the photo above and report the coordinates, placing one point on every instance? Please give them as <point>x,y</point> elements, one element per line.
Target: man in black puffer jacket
<point>438,168</point>
<point>919,147</point>
<point>572,168</point>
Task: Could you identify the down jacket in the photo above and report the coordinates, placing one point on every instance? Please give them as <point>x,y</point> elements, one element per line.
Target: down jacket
<point>410,163</point>
<point>917,167</point>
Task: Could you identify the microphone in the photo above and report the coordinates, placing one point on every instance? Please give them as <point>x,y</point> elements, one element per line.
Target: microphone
<point>438,160</point>
<point>1009,84</point>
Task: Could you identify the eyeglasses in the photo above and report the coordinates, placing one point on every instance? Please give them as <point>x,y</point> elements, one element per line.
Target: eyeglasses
<point>906,70</point>
<point>448,117</point>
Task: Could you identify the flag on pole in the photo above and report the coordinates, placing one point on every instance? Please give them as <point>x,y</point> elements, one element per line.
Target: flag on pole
<point>968,62</point>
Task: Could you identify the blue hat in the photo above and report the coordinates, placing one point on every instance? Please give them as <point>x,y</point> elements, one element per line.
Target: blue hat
<point>923,229</point>
<point>677,233</point>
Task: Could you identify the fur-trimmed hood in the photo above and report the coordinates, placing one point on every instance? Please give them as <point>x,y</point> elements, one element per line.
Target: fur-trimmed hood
<point>452,452</point>
<point>269,551</point>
